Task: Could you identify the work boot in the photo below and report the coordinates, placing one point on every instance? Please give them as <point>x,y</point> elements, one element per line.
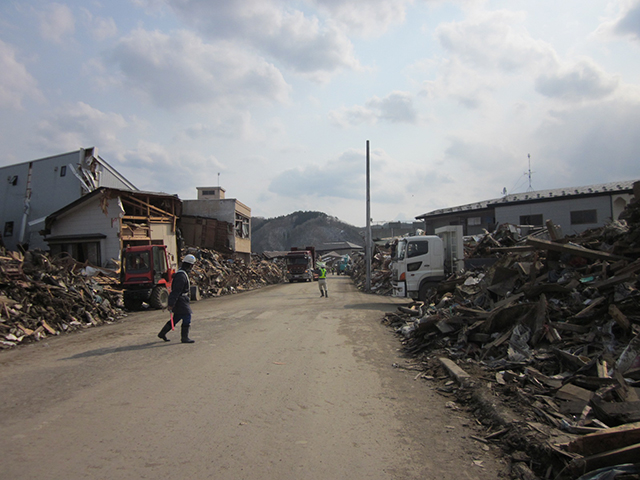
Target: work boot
<point>185,334</point>
<point>326,294</point>
<point>164,331</point>
<point>321,294</point>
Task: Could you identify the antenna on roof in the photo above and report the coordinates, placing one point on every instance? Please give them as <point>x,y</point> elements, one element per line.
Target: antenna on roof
<point>218,178</point>
<point>530,189</point>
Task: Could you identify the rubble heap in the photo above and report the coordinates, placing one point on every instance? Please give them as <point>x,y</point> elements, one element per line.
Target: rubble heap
<point>41,296</point>
<point>553,329</point>
<point>214,275</point>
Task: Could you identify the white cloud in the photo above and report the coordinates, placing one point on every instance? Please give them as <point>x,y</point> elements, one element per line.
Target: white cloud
<point>366,17</point>
<point>100,28</point>
<point>73,126</point>
<point>56,22</point>
<point>593,141</point>
<point>341,177</point>
<point>495,41</point>
<point>629,21</point>
<point>584,80</point>
<point>397,107</point>
<point>16,82</point>
<point>179,69</point>
<point>273,28</point>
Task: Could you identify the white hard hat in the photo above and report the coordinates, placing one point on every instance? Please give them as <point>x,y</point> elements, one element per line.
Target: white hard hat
<point>189,259</point>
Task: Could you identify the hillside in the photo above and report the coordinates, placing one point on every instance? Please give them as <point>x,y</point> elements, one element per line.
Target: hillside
<point>300,229</point>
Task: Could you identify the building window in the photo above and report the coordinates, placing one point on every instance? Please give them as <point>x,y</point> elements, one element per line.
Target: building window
<point>533,220</point>
<point>242,226</point>
<point>13,180</point>
<point>63,170</point>
<point>8,229</point>
<point>582,217</point>
<point>474,221</point>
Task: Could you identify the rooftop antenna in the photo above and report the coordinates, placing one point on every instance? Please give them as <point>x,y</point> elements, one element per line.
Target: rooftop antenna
<point>530,189</point>
<point>218,178</point>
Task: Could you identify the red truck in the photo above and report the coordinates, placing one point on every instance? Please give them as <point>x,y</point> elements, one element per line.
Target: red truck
<point>301,263</point>
<point>146,276</point>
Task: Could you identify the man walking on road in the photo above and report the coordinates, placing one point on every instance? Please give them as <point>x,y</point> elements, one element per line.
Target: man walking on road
<point>179,301</point>
<point>322,282</point>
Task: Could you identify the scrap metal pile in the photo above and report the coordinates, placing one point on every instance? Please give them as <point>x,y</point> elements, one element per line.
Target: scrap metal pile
<point>42,296</point>
<point>553,330</point>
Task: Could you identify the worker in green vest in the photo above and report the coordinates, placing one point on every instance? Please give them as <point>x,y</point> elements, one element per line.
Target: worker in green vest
<point>322,281</point>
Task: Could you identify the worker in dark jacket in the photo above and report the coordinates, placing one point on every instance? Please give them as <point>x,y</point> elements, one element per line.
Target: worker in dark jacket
<point>179,301</point>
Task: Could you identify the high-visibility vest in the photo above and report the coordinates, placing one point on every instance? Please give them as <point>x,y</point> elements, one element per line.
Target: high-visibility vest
<point>323,273</point>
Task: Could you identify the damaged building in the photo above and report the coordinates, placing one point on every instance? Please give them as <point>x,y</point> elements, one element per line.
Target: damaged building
<point>98,226</point>
<point>213,221</point>
<point>574,209</point>
<point>32,190</point>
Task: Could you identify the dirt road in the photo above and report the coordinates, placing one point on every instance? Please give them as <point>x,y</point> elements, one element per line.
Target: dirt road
<point>280,384</point>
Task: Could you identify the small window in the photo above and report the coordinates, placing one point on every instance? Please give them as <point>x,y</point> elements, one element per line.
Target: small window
<point>535,220</point>
<point>13,180</point>
<point>415,249</point>
<point>474,221</point>
<point>8,229</point>
<point>63,170</point>
<point>582,217</point>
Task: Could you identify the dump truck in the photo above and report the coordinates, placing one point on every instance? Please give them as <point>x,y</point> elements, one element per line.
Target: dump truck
<point>301,263</point>
<point>146,276</point>
<point>420,262</point>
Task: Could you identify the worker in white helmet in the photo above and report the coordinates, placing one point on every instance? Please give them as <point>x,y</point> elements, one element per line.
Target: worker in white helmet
<point>179,301</point>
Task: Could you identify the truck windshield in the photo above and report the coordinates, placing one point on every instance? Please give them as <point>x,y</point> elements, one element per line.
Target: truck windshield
<point>138,262</point>
<point>297,261</point>
<point>401,249</point>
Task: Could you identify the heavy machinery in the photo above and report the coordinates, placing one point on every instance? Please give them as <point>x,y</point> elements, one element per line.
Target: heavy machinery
<point>421,262</point>
<point>146,276</point>
<point>301,263</point>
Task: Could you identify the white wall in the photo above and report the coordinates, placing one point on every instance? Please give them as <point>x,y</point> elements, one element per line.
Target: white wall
<point>559,212</point>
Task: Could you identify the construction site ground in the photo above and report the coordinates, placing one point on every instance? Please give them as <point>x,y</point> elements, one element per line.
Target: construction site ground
<point>280,384</point>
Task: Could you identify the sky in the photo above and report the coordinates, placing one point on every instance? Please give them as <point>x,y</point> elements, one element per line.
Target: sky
<point>276,100</point>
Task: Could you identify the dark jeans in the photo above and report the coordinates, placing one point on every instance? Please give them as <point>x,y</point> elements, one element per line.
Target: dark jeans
<point>185,317</point>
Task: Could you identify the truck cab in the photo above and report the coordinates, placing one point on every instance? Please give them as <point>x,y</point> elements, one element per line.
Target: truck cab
<point>421,262</point>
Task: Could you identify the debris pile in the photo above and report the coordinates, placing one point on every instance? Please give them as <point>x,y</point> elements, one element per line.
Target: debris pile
<point>553,329</point>
<point>380,271</point>
<point>214,275</point>
<point>42,296</point>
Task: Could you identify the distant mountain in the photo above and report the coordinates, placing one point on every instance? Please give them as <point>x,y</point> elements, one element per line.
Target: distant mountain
<point>300,229</point>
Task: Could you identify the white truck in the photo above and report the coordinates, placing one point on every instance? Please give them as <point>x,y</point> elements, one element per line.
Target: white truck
<point>421,262</point>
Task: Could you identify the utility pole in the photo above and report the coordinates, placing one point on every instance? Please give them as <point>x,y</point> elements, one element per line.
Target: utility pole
<point>367,248</point>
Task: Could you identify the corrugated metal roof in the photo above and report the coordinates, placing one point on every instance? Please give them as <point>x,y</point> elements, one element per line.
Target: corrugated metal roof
<point>541,195</point>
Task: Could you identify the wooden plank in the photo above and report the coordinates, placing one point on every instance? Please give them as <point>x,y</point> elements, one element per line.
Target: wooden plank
<point>572,392</point>
<point>572,249</point>
<point>620,318</point>
<point>618,456</point>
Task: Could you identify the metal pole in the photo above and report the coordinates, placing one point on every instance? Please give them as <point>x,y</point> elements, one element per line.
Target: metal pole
<point>367,248</point>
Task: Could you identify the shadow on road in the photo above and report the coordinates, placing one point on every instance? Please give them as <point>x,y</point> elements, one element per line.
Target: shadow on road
<point>106,351</point>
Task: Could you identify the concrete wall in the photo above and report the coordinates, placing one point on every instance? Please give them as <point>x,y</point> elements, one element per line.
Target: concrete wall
<point>560,211</point>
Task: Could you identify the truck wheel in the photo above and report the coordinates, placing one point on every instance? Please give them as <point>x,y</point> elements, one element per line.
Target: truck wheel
<point>132,304</point>
<point>159,297</point>
<point>427,292</point>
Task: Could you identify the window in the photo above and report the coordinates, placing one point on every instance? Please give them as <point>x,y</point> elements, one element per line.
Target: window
<point>582,217</point>
<point>474,221</point>
<point>535,220</point>
<point>415,249</point>
<point>8,229</point>
<point>242,226</point>
<point>63,170</point>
